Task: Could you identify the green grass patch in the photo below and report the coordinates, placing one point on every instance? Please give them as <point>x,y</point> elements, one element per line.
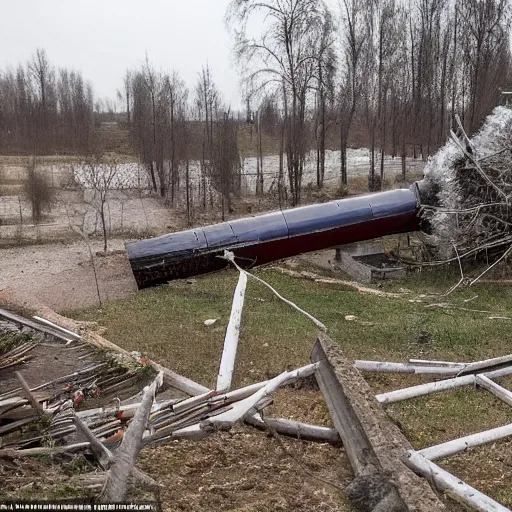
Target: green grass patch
<point>11,340</point>
<point>167,323</point>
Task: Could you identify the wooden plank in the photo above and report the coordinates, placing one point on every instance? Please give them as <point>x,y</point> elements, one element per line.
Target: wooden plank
<point>374,445</point>
<point>100,451</point>
<point>10,453</point>
<point>4,429</point>
<point>447,482</point>
<point>36,326</point>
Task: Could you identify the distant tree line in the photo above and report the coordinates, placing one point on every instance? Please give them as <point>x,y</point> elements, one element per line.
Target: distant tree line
<point>396,72</point>
<point>401,70</point>
<point>169,130</point>
<point>44,109</point>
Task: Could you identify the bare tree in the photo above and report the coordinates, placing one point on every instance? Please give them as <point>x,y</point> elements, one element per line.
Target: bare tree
<point>226,160</point>
<point>487,53</point>
<point>283,57</point>
<point>43,110</point>
<point>207,99</point>
<point>351,83</point>
<point>98,178</point>
<point>42,73</point>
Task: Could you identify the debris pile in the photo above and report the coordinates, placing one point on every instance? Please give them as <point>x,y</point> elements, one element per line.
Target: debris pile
<point>467,192</point>
<point>113,416</point>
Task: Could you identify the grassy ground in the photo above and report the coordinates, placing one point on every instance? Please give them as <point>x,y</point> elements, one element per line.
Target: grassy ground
<point>168,324</point>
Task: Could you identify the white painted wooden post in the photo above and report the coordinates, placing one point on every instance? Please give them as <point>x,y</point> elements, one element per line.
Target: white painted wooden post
<point>448,482</point>
<point>495,389</point>
<point>387,367</point>
<point>436,387</point>
<point>227,363</point>
<point>464,443</point>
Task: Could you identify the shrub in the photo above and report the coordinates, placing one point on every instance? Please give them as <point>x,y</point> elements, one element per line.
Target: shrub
<point>38,191</point>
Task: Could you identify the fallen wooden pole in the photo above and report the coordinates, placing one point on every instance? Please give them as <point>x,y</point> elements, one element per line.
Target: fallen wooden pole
<point>296,429</point>
<point>30,397</point>
<point>375,447</point>
<point>227,363</point>
<point>438,386</point>
<point>57,333</point>
<point>100,451</point>
<point>9,453</point>
<point>245,407</point>
<point>495,389</point>
<point>465,443</point>
<point>447,482</point>
<point>123,463</point>
<point>4,429</point>
<point>485,364</point>
<point>55,326</point>
<point>387,367</point>
<point>239,394</point>
<point>427,362</point>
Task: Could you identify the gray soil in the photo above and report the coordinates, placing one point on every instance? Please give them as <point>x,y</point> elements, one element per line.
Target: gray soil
<point>62,276</point>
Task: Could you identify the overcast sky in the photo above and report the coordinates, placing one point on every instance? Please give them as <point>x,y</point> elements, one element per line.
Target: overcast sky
<point>102,38</point>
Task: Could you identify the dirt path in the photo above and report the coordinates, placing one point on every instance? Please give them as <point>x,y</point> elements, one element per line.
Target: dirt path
<point>61,275</point>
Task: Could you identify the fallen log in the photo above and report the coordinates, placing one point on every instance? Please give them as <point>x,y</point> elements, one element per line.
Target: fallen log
<point>375,447</point>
